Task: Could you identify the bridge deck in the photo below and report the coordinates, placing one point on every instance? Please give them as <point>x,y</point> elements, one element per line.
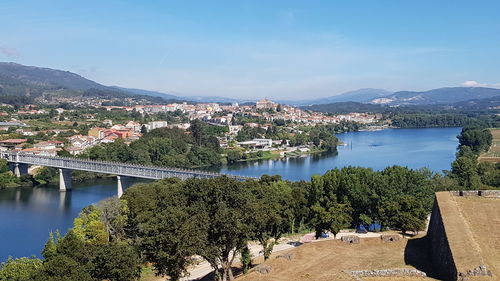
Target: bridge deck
<point>114,168</point>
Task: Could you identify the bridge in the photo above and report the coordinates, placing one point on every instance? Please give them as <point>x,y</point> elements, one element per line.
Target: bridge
<point>20,162</point>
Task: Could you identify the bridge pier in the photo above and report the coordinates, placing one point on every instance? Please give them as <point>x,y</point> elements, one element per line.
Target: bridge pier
<point>65,179</point>
<point>120,184</point>
<point>18,169</point>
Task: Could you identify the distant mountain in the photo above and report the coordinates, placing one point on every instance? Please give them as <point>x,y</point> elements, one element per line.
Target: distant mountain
<point>486,104</point>
<point>21,84</point>
<point>437,96</point>
<point>345,107</point>
<point>362,95</point>
<point>184,98</point>
<point>46,77</point>
<point>149,93</point>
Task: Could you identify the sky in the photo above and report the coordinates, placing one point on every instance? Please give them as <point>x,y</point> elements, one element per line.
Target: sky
<point>254,49</point>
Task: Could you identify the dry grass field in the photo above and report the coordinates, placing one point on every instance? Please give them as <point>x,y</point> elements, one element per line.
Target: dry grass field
<point>493,154</point>
<point>326,260</point>
<point>483,218</point>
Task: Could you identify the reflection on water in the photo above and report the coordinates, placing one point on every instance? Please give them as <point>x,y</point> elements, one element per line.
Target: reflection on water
<point>415,148</point>
<point>27,215</point>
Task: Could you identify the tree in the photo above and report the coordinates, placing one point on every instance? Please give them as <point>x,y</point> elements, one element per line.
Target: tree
<point>197,129</point>
<point>464,169</point>
<point>22,269</point>
<point>63,153</point>
<point>116,261</point>
<point>271,211</point>
<point>63,268</point>
<point>404,212</point>
<point>89,227</point>
<point>233,155</point>
<point>224,206</point>
<point>114,215</point>
<point>165,229</point>
<point>50,249</point>
<point>246,259</point>
<point>144,129</point>
<point>333,218</point>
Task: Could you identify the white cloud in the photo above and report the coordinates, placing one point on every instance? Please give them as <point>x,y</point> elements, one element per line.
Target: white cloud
<point>9,52</point>
<point>472,83</point>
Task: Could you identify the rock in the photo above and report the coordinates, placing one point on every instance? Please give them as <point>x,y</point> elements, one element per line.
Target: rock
<point>287,256</point>
<point>263,269</point>
<point>350,239</point>
<point>389,238</point>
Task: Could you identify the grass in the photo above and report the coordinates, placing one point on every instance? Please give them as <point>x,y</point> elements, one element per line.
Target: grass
<point>148,274</point>
<point>483,218</point>
<point>465,250</point>
<point>326,260</point>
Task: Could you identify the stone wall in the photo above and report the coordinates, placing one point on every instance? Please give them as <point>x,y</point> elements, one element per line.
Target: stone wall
<point>482,193</point>
<point>441,255</point>
<point>393,272</point>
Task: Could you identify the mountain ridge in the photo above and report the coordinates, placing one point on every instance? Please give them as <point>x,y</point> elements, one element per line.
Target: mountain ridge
<point>18,79</point>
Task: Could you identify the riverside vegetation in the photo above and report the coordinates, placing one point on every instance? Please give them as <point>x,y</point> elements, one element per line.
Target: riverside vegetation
<point>167,222</point>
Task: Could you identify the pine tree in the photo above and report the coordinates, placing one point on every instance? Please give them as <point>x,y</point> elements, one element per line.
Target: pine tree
<point>50,249</point>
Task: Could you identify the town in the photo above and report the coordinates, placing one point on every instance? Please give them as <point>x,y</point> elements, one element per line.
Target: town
<point>72,125</point>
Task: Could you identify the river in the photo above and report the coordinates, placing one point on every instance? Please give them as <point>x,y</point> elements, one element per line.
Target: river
<point>27,215</point>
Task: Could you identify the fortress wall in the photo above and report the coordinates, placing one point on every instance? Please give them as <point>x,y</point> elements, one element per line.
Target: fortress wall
<point>454,251</point>
<point>441,255</point>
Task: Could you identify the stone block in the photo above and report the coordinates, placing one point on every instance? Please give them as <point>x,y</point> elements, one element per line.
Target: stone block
<point>350,239</point>
<point>389,238</point>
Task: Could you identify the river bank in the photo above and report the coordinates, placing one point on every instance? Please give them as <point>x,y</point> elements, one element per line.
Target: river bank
<point>33,212</point>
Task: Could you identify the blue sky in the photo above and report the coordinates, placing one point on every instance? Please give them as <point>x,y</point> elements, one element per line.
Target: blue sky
<point>252,49</point>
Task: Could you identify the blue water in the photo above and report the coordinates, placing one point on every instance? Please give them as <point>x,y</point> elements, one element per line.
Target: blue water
<point>27,215</point>
<point>432,148</point>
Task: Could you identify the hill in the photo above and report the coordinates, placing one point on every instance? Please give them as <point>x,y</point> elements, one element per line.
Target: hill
<point>438,96</point>
<point>46,77</point>
<point>486,104</point>
<point>21,84</point>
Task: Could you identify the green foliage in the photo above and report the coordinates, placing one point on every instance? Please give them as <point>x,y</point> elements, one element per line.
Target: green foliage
<point>90,228</point>
<point>162,147</point>
<point>165,225</point>
<point>248,133</point>
<point>114,216</point>
<point>63,268</point>
<point>479,140</point>
<point>22,269</point>
<point>246,259</point>
<point>334,217</point>
<point>464,169</point>
<point>50,249</point>
<point>116,261</point>
<point>47,175</point>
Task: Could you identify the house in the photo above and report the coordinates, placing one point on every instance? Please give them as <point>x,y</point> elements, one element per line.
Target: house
<point>12,143</point>
<point>41,152</point>
<point>155,125</point>
<point>135,126</point>
<point>257,143</point>
<point>97,132</point>
<point>46,145</point>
